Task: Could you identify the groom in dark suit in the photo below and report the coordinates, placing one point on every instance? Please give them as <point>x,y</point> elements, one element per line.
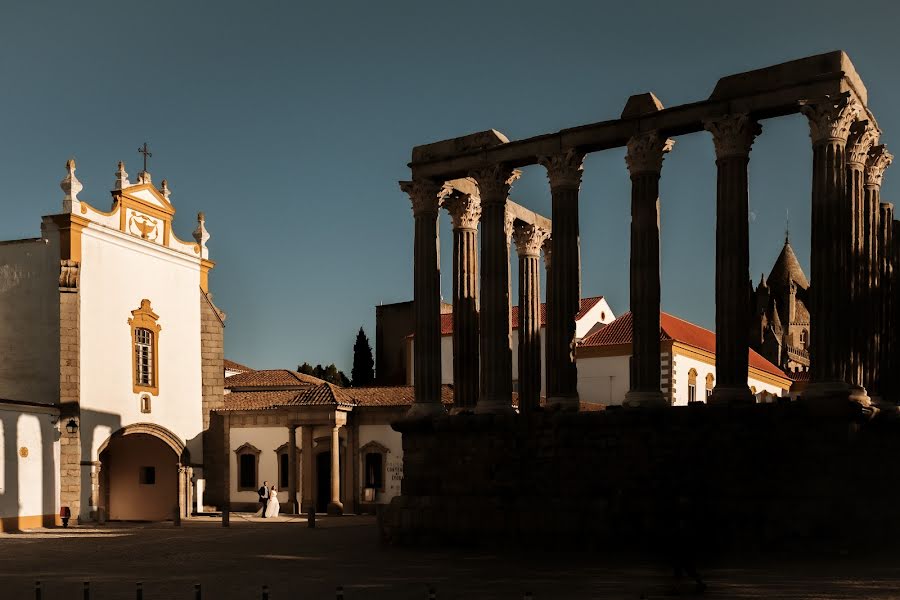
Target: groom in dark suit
<point>264,497</point>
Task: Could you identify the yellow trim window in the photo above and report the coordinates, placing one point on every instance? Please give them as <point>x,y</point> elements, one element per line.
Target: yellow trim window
<point>145,348</point>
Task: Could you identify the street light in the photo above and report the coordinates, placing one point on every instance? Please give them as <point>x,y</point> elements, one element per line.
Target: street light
<point>71,426</point>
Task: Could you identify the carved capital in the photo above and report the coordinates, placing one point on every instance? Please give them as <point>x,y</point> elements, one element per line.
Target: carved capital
<point>733,135</point>
<point>425,195</point>
<point>830,117</point>
<point>68,274</point>
<point>565,169</point>
<point>863,135</point>
<point>464,209</point>
<point>508,223</point>
<point>494,182</point>
<point>878,160</point>
<point>548,248</point>
<point>529,239</point>
<point>646,152</point>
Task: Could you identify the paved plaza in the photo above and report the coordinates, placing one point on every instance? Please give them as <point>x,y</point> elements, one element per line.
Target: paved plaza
<point>301,563</point>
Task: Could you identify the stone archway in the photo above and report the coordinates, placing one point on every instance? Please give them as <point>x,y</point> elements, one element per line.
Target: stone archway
<point>142,478</point>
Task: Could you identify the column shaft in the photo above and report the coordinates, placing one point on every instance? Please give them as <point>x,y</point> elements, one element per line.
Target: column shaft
<point>292,469</point>
<point>528,243</point>
<point>644,159</point>
<point>878,255</point>
<point>335,507</point>
<point>886,349</point>
<point>427,299</point>
<point>733,136</point>
<point>549,348</point>
<point>496,346</point>
<point>306,470</point>
<point>564,279</point>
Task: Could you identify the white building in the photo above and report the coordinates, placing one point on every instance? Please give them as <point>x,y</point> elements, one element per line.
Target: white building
<point>593,313</point>
<point>113,359</point>
<point>688,360</point>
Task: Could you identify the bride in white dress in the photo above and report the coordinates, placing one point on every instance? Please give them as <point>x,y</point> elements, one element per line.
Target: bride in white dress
<point>273,506</point>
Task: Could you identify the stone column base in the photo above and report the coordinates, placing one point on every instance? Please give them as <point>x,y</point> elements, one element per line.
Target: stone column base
<point>570,403</point>
<point>637,399</point>
<point>836,398</point>
<point>494,406</point>
<point>735,395</point>
<point>424,410</point>
<point>335,509</point>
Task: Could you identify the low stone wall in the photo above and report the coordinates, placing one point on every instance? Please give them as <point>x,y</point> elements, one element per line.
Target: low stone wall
<point>750,477</point>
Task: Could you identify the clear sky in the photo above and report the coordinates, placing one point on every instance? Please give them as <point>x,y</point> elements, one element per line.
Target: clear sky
<point>289,124</point>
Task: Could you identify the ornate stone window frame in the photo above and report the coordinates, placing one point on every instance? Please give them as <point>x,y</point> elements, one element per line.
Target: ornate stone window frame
<point>710,384</point>
<point>247,449</point>
<point>144,318</point>
<point>692,385</point>
<point>284,449</point>
<point>374,447</point>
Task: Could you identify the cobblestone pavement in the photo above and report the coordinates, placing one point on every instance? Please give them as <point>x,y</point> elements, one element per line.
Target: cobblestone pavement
<point>301,563</point>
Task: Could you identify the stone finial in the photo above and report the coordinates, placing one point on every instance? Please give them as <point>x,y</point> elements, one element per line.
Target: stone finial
<point>70,186</point>
<point>121,177</point>
<point>425,195</point>
<point>830,117</point>
<point>166,192</point>
<point>863,136</point>
<point>646,152</point>
<point>464,209</point>
<point>529,239</point>
<point>733,135</point>
<point>494,182</point>
<point>144,177</point>
<point>564,169</point>
<point>878,160</point>
<point>201,235</point>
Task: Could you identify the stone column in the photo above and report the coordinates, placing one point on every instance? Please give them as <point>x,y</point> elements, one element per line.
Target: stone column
<point>564,283</point>
<point>644,159</point>
<point>529,239</point>
<point>830,119</point>
<point>860,325</point>
<point>292,469</point>
<point>306,470</point>
<point>425,195</point>
<point>335,507</point>
<point>496,347</point>
<point>887,289</point>
<point>877,161</point>
<point>549,373</point>
<point>893,306</point>
<point>465,211</point>
<point>733,137</point>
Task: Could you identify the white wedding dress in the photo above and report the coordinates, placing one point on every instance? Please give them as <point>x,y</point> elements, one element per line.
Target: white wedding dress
<point>273,506</point>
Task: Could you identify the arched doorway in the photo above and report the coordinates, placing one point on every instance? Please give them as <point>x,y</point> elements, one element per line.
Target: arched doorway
<point>140,473</point>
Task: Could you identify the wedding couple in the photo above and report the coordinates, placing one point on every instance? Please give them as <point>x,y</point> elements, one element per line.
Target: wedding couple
<point>268,501</point>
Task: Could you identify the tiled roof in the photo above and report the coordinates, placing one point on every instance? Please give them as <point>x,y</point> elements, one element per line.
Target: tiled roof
<point>798,375</point>
<point>258,400</point>
<point>396,395</point>
<point>326,394</point>
<point>271,378</point>
<point>230,365</point>
<point>671,328</point>
<point>585,305</point>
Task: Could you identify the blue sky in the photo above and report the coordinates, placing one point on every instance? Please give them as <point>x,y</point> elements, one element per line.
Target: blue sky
<point>290,123</point>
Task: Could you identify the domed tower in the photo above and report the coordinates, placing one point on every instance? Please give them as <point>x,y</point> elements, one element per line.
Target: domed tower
<point>781,323</point>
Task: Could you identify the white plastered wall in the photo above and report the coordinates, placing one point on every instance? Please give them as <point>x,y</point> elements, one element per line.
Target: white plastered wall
<point>682,367</point>
<point>29,470</point>
<point>603,379</point>
<point>266,440</point>
<point>117,272</point>
<point>393,466</point>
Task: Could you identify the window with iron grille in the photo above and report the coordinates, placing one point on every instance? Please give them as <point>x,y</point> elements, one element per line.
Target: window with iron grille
<point>143,357</point>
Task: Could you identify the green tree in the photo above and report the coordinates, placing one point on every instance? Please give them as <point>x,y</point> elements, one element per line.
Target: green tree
<point>331,373</point>
<point>363,372</point>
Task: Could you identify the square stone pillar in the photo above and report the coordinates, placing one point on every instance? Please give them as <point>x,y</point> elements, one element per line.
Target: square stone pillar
<point>306,470</point>
<point>292,469</point>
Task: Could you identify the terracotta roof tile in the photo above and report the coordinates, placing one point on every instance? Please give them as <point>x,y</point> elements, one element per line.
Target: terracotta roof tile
<point>233,366</point>
<point>271,378</point>
<point>326,394</point>
<point>258,400</point>
<point>396,395</point>
<point>585,305</point>
<point>672,328</point>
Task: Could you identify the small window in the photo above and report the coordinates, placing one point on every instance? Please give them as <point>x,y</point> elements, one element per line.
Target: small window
<point>692,385</point>
<point>247,471</point>
<point>148,476</point>
<point>710,383</point>
<point>284,471</point>
<point>145,404</point>
<point>804,338</point>
<point>375,470</point>
<point>145,348</point>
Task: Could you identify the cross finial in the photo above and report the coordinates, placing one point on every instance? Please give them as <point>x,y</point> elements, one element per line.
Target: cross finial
<point>146,152</point>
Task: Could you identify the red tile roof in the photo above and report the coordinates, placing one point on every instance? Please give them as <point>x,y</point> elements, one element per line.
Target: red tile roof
<point>397,395</point>
<point>233,366</point>
<point>271,378</point>
<point>585,305</point>
<point>675,329</point>
<point>325,394</point>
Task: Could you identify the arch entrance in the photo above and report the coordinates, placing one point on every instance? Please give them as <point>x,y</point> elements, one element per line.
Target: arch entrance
<point>141,474</point>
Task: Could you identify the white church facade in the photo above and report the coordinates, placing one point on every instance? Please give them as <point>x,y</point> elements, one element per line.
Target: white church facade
<point>113,360</point>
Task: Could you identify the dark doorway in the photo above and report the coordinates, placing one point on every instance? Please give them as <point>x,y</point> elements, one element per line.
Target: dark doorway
<point>323,481</point>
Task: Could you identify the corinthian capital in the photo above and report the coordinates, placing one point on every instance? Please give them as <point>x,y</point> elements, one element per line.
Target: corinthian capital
<point>529,239</point>
<point>565,169</point>
<point>878,160</point>
<point>733,135</point>
<point>464,209</point>
<point>425,195</point>
<point>863,135</point>
<point>548,250</point>
<point>830,117</point>
<point>494,182</point>
<point>646,152</point>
